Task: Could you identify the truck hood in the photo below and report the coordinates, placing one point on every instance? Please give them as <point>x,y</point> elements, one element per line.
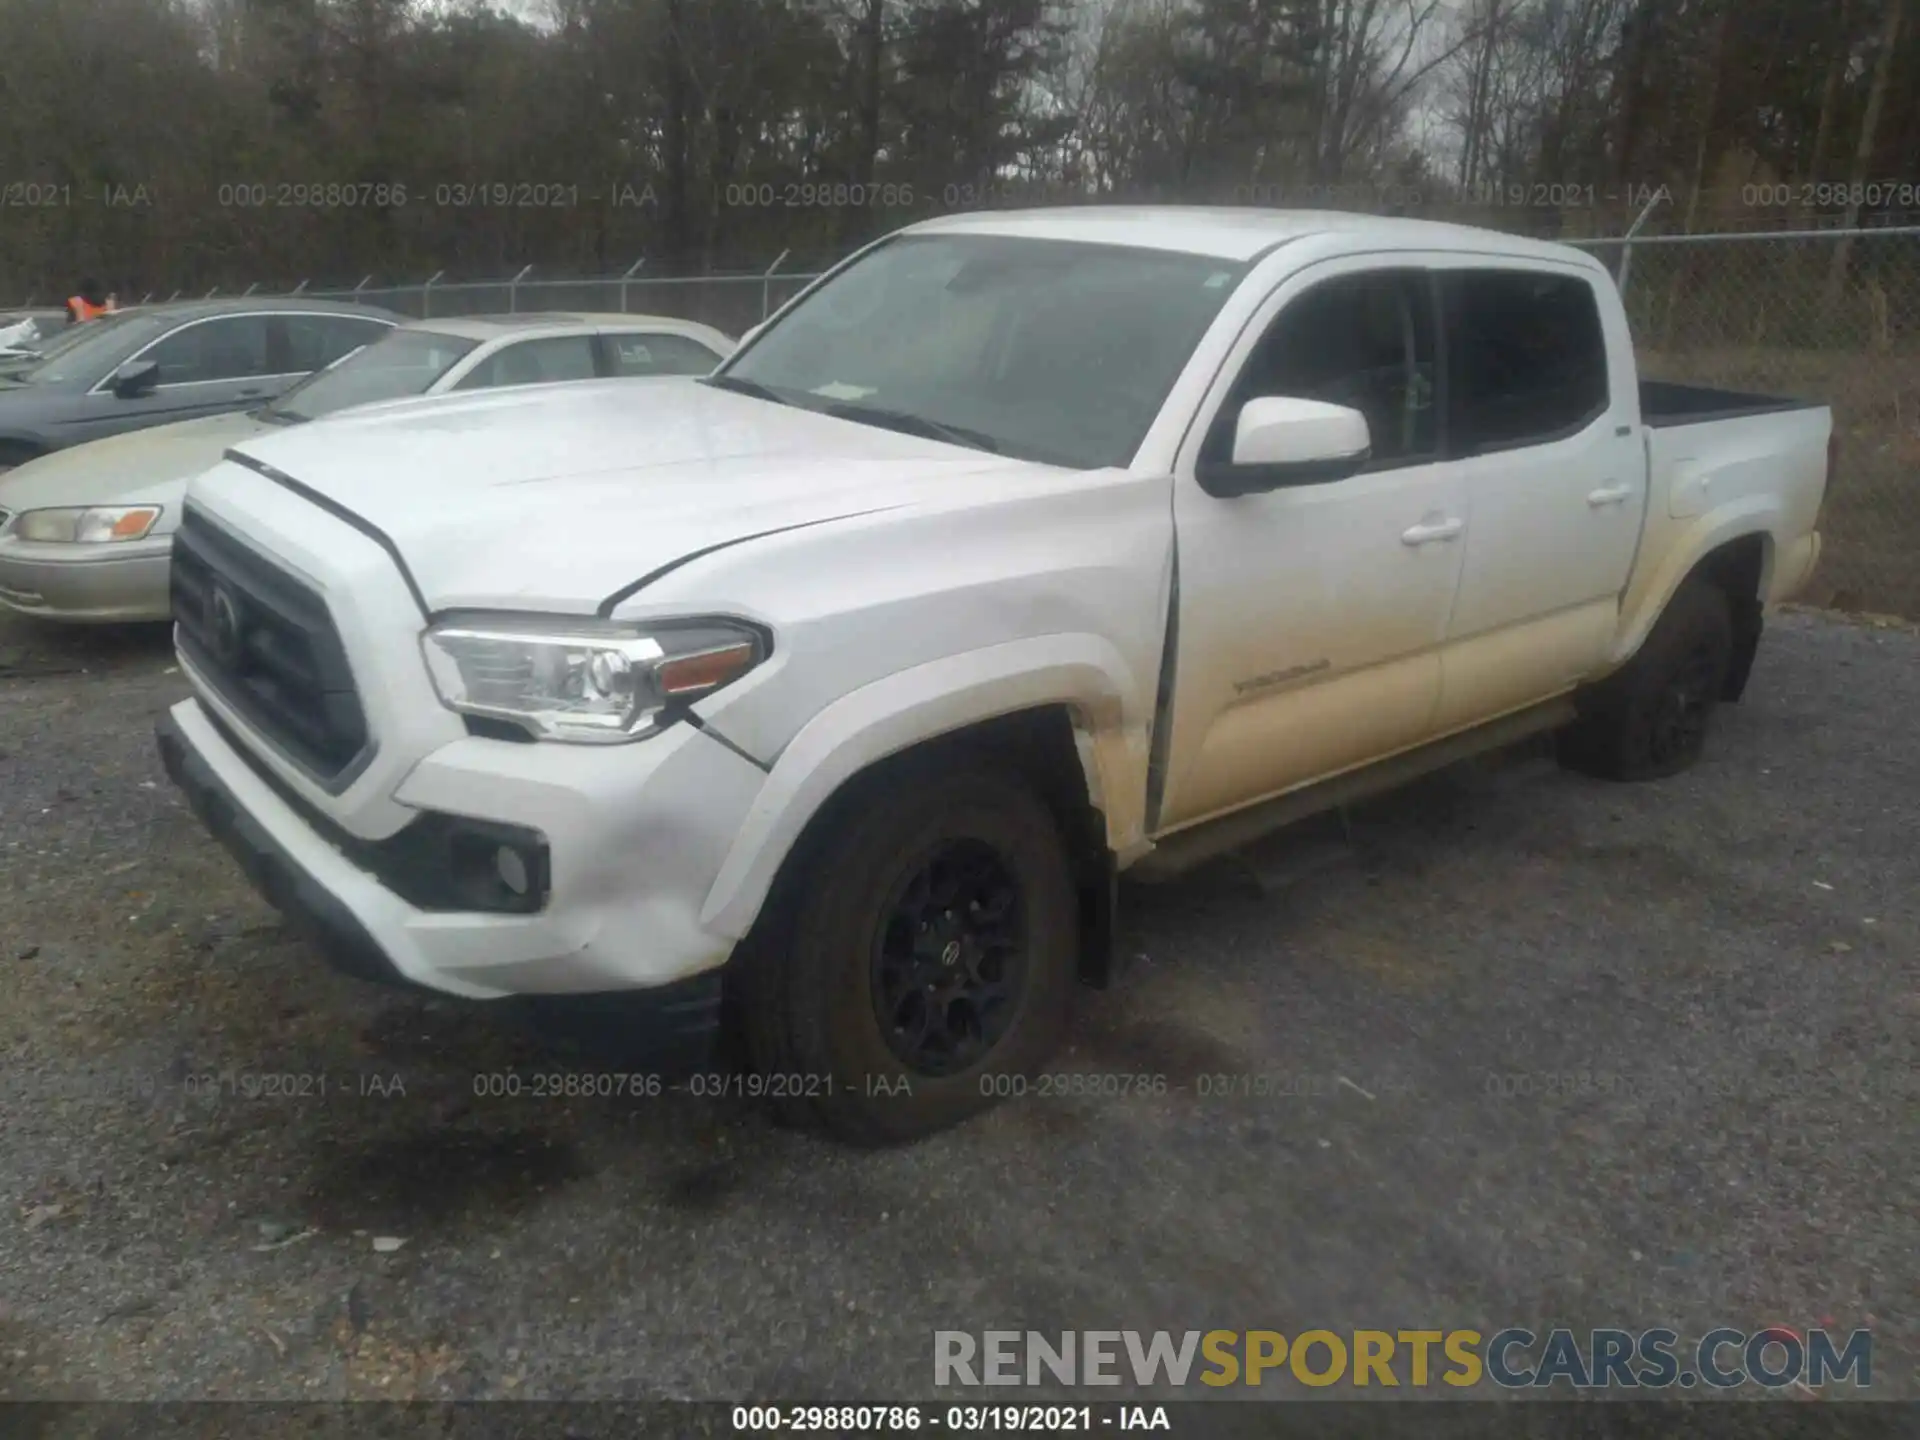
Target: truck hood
<point>557,497</point>
<point>143,467</point>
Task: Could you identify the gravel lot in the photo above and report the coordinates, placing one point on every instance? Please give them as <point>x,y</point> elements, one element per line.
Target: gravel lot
<point>1730,956</point>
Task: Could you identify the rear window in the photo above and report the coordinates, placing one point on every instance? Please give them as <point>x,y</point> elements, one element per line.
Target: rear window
<point>658,353</point>
<point>1527,362</point>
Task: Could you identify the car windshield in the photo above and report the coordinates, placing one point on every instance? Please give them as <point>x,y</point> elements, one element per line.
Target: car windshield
<point>1043,349</point>
<point>399,364</point>
<point>87,351</point>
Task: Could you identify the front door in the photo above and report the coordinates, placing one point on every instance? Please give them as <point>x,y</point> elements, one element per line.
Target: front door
<point>205,368</point>
<point>1310,618</point>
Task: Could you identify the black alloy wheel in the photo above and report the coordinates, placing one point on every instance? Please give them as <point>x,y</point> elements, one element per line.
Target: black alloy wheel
<point>1677,726</point>
<point>951,958</point>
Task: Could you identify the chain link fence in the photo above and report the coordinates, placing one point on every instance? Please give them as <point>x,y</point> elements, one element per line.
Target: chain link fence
<point>727,302</point>
<point>1823,315</point>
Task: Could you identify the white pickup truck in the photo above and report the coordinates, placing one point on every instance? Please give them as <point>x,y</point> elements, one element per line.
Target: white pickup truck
<point>822,700</point>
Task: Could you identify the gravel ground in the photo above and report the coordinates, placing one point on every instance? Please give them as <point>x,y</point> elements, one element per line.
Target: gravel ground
<point>1729,957</point>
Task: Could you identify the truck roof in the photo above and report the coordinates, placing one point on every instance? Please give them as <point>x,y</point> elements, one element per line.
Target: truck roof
<point>1233,232</point>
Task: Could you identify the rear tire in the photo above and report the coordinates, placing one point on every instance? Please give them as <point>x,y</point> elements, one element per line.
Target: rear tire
<point>1650,719</point>
<point>920,957</point>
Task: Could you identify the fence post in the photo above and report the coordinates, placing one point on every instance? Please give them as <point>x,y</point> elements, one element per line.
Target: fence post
<point>211,293</point>
<point>766,284</point>
<point>173,297</point>
<point>513,290</point>
<point>250,289</point>
<point>634,270</point>
<point>365,280</point>
<point>426,295</point>
<point>1626,245</point>
<point>300,288</point>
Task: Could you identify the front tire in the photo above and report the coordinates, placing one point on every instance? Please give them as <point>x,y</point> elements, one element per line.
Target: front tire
<point>1650,719</point>
<point>922,954</point>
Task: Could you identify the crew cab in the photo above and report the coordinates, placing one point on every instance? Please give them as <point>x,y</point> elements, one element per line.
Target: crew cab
<point>825,698</point>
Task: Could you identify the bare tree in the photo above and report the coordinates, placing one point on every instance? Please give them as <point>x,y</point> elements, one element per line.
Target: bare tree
<point>1863,150</point>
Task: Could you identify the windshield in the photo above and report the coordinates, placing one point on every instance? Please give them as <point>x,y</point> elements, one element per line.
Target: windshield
<point>1047,350</point>
<point>399,364</point>
<point>87,351</point>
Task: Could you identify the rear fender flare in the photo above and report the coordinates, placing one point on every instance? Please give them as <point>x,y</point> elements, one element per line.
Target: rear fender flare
<point>1645,605</point>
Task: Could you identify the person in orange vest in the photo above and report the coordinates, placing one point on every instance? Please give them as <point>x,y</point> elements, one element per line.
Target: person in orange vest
<point>88,302</point>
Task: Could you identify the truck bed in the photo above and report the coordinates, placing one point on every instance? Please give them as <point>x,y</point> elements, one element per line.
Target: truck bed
<point>1663,403</point>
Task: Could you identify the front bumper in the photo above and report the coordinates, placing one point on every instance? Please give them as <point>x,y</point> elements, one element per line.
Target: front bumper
<point>91,583</point>
<point>285,884</point>
<point>621,914</point>
<point>676,1026</point>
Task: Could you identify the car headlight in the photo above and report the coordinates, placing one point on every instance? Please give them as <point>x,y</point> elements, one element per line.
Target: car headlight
<point>594,682</point>
<point>87,525</point>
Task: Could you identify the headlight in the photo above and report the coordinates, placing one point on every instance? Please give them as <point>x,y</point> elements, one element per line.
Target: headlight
<point>87,526</point>
<point>589,681</point>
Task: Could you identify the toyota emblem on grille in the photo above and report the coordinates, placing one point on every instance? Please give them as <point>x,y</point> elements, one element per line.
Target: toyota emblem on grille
<point>225,619</point>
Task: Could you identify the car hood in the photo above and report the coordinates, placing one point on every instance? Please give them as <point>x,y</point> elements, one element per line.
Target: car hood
<point>143,467</point>
<point>513,496</point>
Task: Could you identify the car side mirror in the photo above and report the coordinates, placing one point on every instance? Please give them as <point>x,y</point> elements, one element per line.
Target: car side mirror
<point>1284,440</point>
<point>136,377</point>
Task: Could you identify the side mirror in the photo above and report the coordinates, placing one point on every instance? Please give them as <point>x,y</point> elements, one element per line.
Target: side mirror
<point>136,377</point>
<point>1282,440</point>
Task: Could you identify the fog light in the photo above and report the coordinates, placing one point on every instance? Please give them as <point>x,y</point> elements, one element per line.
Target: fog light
<point>511,867</point>
<point>453,863</point>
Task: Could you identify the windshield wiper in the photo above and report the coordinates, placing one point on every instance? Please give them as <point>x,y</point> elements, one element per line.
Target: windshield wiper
<point>744,387</point>
<point>910,424</point>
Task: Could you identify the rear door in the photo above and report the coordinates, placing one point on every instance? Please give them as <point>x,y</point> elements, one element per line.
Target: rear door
<point>543,361</point>
<point>1544,420</point>
<point>1310,619</point>
<point>306,343</point>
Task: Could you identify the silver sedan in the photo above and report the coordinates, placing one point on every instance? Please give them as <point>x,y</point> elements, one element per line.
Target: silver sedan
<point>86,533</point>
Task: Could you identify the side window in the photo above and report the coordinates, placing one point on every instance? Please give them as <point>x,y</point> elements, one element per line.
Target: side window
<point>535,362</point>
<point>1364,341</point>
<point>313,342</point>
<point>235,348</point>
<point>659,354</point>
<point>1527,362</point>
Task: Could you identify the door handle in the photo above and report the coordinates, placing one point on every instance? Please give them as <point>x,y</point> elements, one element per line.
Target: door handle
<point>1426,534</point>
<point>1611,495</point>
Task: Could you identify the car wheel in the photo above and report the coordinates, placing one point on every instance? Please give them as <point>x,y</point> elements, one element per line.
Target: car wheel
<point>921,959</point>
<point>1650,719</point>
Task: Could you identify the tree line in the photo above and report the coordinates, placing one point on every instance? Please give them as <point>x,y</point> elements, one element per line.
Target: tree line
<point>194,143</point>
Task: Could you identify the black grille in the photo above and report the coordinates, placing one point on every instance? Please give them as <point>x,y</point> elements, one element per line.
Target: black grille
<point>265,642</point>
